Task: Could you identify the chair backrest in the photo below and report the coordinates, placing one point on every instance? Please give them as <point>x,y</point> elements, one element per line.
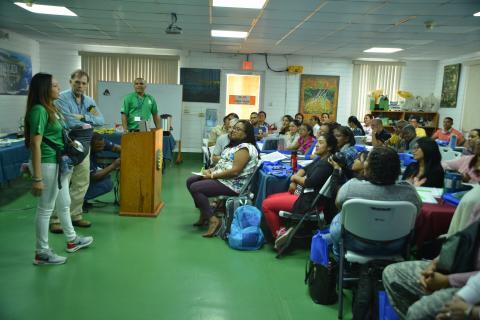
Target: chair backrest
<point>448,154</point>
<point>246,188</point>
<point>378,220</point>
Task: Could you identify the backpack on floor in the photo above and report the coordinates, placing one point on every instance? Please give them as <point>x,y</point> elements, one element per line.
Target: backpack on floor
<point>231,205</point>
<point>245,232</point>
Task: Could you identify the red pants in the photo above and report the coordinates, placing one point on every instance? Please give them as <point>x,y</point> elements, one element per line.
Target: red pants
<point>272,205</point>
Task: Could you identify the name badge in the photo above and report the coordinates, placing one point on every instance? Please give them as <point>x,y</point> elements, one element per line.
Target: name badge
<point>137,119</point>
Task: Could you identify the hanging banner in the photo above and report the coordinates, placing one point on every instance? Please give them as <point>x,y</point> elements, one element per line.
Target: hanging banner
<point>248,100</point>
<point>15,73</point>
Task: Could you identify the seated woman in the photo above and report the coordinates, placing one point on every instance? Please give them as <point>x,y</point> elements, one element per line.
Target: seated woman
<point>286,120</point>
<point>315,123</point>
<point>237,163</point>
<point>346,144</point>
<point>467,166</point>
<point>473,137</point>
<point>356,126</point>
<point>299,117</point>
<point>427,171</point>
<point>311,179</point>
<point>305,140</point>
<point>382,170</point>
<point>292,135</point>
<point>367,126</point>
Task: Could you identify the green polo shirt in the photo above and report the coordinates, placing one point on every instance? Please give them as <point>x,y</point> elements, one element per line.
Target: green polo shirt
<point>39,125</point>
<point>136,106</point>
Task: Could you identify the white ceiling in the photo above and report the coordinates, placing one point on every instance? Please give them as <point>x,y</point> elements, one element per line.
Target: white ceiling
<point>335,28</point>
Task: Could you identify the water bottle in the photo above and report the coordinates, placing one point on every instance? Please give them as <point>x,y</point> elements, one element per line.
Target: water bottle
<point>294,161</point>
<point>452,182</point>
<point>453,141</point>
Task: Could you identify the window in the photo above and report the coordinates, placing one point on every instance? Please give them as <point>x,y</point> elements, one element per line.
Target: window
<point>125,68</point>
<point>369,76</point>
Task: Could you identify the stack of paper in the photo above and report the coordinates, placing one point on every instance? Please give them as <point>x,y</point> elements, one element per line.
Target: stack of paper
<point>428,195</point>
<point>273,157</point>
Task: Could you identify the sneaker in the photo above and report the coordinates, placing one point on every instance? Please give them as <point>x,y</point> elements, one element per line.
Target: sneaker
<point>48,257</point>
<point>282,237</point>
<point>79,243</point>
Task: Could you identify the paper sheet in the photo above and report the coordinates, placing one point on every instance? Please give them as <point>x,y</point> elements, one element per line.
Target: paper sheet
<point>428,195</point>
<point>273,157</point>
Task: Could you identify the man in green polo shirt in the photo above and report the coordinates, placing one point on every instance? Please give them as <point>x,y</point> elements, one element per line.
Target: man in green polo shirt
<point>138,106</point>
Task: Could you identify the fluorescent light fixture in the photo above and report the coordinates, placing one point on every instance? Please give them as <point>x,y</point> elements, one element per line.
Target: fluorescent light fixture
<point>229,34</point>
<point>477,14</point>
<point>247,4</point>
<point>382,50</point>
<point>45,9</point>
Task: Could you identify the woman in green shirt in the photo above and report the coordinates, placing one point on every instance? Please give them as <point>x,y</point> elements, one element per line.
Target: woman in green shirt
<point>42,121</point>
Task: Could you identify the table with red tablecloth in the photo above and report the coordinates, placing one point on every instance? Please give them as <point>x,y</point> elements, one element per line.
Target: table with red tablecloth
<point>433,221</point>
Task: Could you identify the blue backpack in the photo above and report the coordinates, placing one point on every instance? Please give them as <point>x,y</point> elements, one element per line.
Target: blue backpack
<point>245,232</point>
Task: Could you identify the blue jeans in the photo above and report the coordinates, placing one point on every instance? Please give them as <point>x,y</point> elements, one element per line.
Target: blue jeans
<point>359,246</point>
<point>97,188</point>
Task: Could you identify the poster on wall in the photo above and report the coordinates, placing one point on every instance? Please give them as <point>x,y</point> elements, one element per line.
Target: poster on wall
<point>451,78</point>
<point>200,85</point>
<point>15,73</point>
<point>319,94</point>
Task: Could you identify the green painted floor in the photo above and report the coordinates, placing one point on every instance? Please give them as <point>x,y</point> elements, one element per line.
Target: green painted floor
<point>146,268</point>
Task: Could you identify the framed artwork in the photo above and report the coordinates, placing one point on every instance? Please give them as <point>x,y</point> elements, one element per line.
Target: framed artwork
<point>200,85</point>
<point>451,78</point>
<point>15,73</point>
<point>319,94</point>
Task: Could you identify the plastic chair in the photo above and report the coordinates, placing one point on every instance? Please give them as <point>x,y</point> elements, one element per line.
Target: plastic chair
<point>312,215</point>
<point>449,154</point>
<point>308,154</point>
<point>375,223</point>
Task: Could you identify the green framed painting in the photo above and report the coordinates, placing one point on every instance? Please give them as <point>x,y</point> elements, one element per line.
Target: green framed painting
<point>319,94</point>
<point>451,78</point>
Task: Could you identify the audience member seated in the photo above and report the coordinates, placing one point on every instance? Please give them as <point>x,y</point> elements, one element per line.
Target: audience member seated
<point>218,130</point>
<point>420,131</point>
<point>417,290</point>
<point>465,302</point>
<point>473,137</point>
<point>379,134</point>
<point>325,117</point>
<point>327,128</point>
<point>292,136</point>
<point>468,211</point>
<point>315,123</point>
<point>356,126</point>
<point>427,171</point>
<point>310,179</point>
<point>346,144</point>
<point>237,163</point>
<point>100,180</point>
<point>223,141</point>
<point>367,126</point>
<point>446,133</point>
<point>396,138</point>
<point>261,128</point>
<point>409,139</point>
<point>305,140</point>
<point>468,166</point>
<point>299,117</point>
<point>286,120</point>
<point>381,173</point>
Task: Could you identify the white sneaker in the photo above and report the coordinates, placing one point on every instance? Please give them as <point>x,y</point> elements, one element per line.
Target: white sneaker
<point>48,257</point>
<point>79,243</point>
<point>282,237</point>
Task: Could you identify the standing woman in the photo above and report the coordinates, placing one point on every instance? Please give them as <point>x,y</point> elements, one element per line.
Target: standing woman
<point>42,121</point>
<point>427,171</point>
<point>286,119</point>
<point>356,126</point>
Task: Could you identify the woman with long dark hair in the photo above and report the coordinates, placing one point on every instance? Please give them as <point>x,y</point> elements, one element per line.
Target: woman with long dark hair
<point>237,163</point>
<point>346,144</point>
<point>310,179</point>
<point>427,171</point>
<point>286,119</point>
<point>42,122</point>
<point>305,140</point>
<point>356,126</point>
<point>299,117</point>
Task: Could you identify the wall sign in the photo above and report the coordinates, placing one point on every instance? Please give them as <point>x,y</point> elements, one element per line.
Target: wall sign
<point>15,73</point>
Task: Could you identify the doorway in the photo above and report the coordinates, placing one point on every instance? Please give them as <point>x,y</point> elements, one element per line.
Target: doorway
<point>471,112</point>
<point>243,94</point>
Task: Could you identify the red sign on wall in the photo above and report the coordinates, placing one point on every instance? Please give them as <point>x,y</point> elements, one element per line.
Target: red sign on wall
<point>248,100</point>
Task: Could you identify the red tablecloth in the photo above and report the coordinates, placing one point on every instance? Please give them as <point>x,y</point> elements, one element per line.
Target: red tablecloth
<point>434,220</point>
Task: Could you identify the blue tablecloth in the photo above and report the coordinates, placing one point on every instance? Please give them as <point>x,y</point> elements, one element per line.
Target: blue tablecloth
<point>11,159</point>
<point>168,146</point>
<point>265,185</point>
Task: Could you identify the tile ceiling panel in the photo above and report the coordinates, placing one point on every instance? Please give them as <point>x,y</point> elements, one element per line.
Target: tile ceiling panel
<point>349,7</point>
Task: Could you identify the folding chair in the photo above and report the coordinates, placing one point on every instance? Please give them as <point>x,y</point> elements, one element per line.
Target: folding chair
<point>375,224</point>
<point>449,154</point>
<point>312,215</point>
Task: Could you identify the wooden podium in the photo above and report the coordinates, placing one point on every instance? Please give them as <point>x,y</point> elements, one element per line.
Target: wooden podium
<point>141,173</point>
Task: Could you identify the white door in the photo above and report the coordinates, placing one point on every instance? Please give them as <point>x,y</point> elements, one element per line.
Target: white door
<point>471,111</point>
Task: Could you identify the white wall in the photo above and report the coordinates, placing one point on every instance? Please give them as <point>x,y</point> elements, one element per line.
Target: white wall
<point>455,113</point>
<point>419,77</point>
<point>12,108</point>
